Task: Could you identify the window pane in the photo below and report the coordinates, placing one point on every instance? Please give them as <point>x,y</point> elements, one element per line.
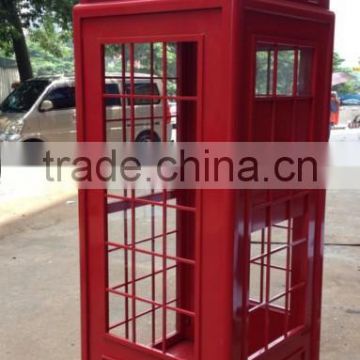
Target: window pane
<point>62,97</point>
<point>285,72</point>
<point>304,72</point>
<point>144,88</point>
<point>264,71</point>
<point>24,97</point>
<point>112,88</point>
<point>289,69</point>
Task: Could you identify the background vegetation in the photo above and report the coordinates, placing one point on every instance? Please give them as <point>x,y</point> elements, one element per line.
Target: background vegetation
<point>38,34</point>
<point>44,24</point>
<point>350,87</point>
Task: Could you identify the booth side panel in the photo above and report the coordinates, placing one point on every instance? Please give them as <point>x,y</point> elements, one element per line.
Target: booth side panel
<point>81,194</point>
<point>280,232</point>
<point>323,135</point>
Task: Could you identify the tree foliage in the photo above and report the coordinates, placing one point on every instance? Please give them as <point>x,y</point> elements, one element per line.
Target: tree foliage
<point>57,61</point>
<point>32,12</point>
<point>18,17</point>
<point>351,86</point>
<point>51,50</point>
<point>265,71</point>
<point>142,60</point>
<point>338,62</point>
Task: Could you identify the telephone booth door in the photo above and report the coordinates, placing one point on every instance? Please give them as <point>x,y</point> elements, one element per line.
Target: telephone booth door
<point>140,249</point>
<point>283,241</point>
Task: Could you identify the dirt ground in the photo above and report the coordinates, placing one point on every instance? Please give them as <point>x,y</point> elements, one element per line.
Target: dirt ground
<point>39,282</point>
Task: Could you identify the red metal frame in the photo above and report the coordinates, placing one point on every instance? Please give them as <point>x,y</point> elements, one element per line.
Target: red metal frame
<point>239,280</point>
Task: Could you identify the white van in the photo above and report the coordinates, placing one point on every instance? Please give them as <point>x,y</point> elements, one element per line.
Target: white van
<point>43,109</point>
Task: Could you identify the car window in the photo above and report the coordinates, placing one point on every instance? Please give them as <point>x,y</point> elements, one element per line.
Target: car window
<point>145,88</point>
<point>112,88</point>
<point>62,97</point>
<point>351,101</point>
<point>25,96</point>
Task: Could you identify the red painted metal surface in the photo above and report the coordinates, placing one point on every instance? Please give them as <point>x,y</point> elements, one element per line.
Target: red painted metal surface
<point>237,280</point>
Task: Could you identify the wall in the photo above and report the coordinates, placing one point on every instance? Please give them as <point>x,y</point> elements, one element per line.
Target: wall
<point>8,75</point>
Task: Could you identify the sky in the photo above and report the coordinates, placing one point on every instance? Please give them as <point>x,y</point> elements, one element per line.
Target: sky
<point>347,34</point>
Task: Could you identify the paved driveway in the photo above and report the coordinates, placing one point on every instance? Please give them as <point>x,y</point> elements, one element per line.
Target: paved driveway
<point>39,282</point>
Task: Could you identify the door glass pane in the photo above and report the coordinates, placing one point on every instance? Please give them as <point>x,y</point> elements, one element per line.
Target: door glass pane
<point>305,72</point>
<point>264,70</point>
<point>285,72</point>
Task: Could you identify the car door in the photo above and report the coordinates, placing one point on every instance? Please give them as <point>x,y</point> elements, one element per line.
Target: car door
<point>148,112</point>
<point>59,123</point>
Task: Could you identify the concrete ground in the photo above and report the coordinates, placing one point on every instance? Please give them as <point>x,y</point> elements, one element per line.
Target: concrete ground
<point>39,282</point>
<point>341,299</point>
<point>39,272</point>
<point>24,191</point>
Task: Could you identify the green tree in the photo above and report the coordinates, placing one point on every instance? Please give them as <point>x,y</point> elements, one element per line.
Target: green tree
<point>51,50</point>
<point>19,16</point>
<point>338,62</point>
<point>350,87</point>
<point>265,71</point>
<point>59,60</point>
<point>142,61</point>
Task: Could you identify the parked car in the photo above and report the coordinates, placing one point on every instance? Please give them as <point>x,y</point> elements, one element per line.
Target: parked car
<point>43,109</point>
<point>350,110</point>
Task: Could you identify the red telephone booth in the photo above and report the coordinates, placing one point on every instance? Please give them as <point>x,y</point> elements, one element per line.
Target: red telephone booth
<point>202,274</point>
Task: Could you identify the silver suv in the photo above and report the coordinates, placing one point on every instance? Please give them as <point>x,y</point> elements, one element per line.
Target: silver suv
<point>43,109</point>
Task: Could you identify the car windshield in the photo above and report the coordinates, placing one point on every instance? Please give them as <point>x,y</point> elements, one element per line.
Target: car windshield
<point>24,97</point>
